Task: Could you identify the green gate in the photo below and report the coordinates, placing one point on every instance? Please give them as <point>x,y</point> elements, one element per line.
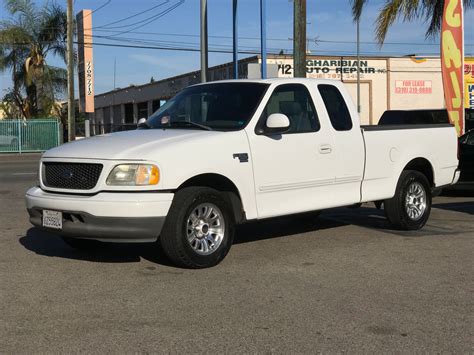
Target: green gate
<point>23,136</point>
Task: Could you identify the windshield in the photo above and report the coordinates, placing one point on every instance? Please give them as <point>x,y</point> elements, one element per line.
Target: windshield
<point>224,106</point>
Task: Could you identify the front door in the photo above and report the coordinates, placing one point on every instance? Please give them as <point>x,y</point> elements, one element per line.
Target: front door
<point>293,171</point>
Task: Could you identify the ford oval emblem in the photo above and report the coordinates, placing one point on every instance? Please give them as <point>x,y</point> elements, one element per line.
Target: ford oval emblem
<point>67,174</point>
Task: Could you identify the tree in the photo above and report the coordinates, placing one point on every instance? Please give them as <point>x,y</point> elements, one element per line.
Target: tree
<point>26,39</point>
<point>429,10</point>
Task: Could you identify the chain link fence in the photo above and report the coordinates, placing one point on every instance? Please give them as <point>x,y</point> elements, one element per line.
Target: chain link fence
<point>25,136</point>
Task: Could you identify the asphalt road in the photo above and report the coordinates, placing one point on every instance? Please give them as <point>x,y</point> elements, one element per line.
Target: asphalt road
<point>344,282</point>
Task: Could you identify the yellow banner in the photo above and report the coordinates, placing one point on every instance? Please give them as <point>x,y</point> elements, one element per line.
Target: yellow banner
<point>469,82</point>
<point>452,57</point>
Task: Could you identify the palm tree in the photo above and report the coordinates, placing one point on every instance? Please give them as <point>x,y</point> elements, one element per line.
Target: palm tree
<point>26,40</point>
<point>429,10</point>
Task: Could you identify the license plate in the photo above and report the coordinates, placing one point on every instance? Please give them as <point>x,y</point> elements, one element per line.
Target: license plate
<point>52,219</point>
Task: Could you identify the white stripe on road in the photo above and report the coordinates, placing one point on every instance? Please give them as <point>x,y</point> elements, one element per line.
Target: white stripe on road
<point>24,174</point>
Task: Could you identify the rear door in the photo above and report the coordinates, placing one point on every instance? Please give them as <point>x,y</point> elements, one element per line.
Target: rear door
<point>349,149</point>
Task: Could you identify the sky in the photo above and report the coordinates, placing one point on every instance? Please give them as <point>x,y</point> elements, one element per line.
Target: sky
<point>329,22</point>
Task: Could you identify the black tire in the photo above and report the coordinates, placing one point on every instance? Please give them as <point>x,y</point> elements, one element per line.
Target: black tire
<point>396,207</point>
<point>82,244</point>
<point>174,239</point>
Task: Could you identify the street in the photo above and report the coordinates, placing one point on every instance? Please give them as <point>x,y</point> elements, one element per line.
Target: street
<point>343,282</point>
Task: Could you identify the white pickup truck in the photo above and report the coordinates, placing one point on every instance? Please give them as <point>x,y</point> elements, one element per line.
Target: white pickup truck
<point>223,153</point>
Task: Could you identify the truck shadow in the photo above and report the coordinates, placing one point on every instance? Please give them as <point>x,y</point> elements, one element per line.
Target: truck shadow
<point>287,226</point>
<point>49,244</point>
<point>463,207</point>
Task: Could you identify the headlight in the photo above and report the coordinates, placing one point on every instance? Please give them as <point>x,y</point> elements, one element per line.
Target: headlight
<point>134,175</point>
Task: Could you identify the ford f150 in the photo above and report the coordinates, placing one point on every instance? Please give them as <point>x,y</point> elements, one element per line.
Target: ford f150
<point>223,153</point>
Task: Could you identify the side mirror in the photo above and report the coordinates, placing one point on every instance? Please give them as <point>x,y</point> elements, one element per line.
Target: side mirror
<point>277,123</point>
<point>141,122</point>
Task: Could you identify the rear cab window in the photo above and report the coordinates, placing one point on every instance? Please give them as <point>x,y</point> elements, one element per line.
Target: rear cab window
<point>336,107</point>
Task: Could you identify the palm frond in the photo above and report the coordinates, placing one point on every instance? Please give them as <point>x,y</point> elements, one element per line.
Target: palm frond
<point>431,11</point>
<point>357,7</point>
<point>53,27</point>
<point>56,78</point>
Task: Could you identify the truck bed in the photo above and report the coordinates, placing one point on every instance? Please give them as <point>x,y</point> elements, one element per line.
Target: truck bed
<point>390,148</point>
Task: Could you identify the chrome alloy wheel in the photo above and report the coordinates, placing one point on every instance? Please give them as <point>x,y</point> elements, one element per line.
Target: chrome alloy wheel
<point>205,228</point>
<point>415,201</point>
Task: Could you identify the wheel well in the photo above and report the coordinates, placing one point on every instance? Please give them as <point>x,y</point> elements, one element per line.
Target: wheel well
<point>223,184</point>
<point>423,166</point>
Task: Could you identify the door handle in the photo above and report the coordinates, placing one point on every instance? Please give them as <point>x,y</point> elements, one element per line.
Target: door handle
<point>325,149</point>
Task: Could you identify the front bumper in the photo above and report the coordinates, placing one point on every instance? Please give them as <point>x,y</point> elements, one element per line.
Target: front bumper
<point>106,216</point>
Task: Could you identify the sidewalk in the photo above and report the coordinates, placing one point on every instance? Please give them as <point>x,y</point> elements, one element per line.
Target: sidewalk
<point>19,157</point>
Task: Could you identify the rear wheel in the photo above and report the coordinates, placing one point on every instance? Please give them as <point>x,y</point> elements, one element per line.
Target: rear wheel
<point>410,208</point>
<point>199,228</point>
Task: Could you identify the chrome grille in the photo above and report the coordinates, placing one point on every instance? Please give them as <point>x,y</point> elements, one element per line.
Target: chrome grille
<point>74,176</point>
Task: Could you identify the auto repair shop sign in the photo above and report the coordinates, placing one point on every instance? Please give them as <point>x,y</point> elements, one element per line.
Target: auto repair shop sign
<point>332,69</point>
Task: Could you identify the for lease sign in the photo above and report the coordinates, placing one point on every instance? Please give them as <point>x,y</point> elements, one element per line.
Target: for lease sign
<point>413,87</point>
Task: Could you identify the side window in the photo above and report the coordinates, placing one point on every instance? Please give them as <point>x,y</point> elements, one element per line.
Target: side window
<point>336,107</point>
<point>470,139</point>
<point>294,101</point>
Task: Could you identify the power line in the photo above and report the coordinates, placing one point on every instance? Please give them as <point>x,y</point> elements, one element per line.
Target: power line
<point>93,11</point>
<point>166,43</point>
<point>153,19</point>
<point>100,7</point>
<point>228,51</point>
<point>314,40</point>
<point>132,16</point>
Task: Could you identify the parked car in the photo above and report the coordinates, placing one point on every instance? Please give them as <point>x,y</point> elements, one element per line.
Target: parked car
<point>223,153</point>
<point>466,158</point>
<point>8,141</point>
<point>425,116</point>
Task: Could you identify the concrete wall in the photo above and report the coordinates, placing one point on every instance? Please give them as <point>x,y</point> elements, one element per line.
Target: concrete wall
<point>415,84</point>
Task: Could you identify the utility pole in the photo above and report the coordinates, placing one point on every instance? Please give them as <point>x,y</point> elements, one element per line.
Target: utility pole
<point>235,39</point>
<point>115,70</point>
<point>299,39</point>
<point>204,46</point>
<point>71,126</point>
<point>263,37</point>
<point>358,65</point>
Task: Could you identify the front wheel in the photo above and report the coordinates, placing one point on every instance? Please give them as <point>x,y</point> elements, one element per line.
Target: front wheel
<point>410,208</point>
<point>199,228</point>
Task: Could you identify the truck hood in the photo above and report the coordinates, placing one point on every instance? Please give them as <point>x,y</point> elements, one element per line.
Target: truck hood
<point>129,145</point>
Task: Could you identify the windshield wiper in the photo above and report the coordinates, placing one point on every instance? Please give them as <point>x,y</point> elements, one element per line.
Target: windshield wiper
<point>189,123</point>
